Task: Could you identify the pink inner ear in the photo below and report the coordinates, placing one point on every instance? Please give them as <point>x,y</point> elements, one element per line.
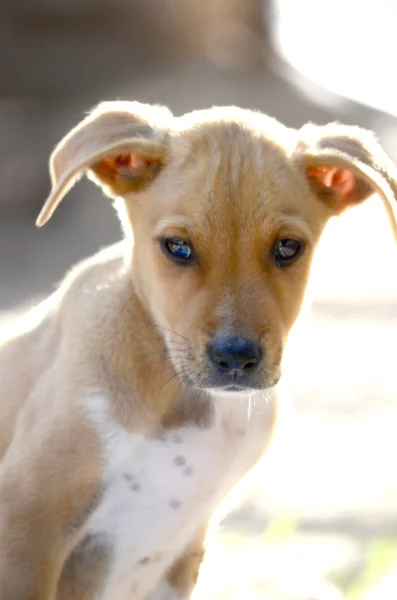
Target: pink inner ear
<point>122,165</point>
<point>135,161</point>
<point>342,181</point>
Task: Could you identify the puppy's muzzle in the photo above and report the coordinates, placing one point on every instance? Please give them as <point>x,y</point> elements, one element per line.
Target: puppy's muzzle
<point>234,361</point>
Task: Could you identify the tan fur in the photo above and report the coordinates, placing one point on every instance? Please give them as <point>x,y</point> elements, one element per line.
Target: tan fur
<point>134,325</point>
<point>184,574</point>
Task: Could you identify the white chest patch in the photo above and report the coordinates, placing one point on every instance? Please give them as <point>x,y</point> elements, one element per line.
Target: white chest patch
<point>160,492</point>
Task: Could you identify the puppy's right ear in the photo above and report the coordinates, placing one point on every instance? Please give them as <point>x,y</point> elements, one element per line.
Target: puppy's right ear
<point>120,145</point>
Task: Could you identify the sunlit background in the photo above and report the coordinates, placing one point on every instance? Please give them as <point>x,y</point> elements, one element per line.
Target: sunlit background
<point>318,520</point>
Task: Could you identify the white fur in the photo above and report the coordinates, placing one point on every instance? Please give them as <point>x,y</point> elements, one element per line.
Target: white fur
<point>160,492</point>
<point>165,591</point>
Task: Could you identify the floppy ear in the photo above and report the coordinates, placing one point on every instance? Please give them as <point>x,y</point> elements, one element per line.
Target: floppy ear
<point>344,165</point>
<point>120,145</point>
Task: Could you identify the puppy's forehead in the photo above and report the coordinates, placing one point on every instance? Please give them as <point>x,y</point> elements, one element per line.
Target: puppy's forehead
<point>237,162</point>
<point>242,141</point>
<point>232,117</point>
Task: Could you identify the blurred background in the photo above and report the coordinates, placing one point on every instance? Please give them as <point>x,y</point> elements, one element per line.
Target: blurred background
<point>318,520</point>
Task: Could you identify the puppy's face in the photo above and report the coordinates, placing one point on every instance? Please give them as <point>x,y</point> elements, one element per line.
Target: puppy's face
<point>225,220</point>
<point>223,245</point>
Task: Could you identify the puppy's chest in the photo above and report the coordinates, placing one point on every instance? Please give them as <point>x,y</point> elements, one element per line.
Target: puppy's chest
<point>159,492</point>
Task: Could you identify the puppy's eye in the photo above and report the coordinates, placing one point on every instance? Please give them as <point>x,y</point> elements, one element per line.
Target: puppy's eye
<point>286,251</point>
<point>179,250</point>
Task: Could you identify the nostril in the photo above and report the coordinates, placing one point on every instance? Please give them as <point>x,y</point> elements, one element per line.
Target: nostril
<point>224,365</point>
<point>250,365</point>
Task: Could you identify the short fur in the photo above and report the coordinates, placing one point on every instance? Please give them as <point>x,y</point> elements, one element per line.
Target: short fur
<point>115,445</point>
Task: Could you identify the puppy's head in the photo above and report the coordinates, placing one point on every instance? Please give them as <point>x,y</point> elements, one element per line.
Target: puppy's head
<point>226,208</point>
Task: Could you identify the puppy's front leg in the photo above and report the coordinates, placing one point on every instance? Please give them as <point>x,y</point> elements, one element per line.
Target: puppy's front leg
<point>180,580</point>
<point>49,479</point>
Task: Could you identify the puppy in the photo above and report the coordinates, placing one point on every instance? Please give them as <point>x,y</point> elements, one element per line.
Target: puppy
<point>145,388</point>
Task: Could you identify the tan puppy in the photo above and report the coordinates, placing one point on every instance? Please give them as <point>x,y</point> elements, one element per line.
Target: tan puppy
<point>143,390</point>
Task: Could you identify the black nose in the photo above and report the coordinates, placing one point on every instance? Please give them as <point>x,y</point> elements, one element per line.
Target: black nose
<point>234,354</point>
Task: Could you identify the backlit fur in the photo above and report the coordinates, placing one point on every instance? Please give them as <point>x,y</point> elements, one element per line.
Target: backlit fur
<point>116,446</point>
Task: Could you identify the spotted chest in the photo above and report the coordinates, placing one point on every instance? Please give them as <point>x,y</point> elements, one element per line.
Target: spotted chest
<point>158,493</point>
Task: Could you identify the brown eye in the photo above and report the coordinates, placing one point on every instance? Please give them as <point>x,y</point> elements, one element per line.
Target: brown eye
<point>286,251</point>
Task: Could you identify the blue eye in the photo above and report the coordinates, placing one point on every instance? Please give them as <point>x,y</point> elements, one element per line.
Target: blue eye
<point>179,250</point>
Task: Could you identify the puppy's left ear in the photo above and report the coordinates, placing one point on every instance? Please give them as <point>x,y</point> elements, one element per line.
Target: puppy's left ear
<point>345,165</point>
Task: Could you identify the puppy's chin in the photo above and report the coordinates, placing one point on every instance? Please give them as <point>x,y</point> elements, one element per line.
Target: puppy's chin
<point>213,384</point>
<point>236,389</point>
<point>231,392</point>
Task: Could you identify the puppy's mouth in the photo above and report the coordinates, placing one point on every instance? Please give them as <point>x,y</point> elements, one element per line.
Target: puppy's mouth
<point>236,388</point>
<point>245,388</point>
<point>229,373</point>
<point>218,384</point>
<point>232,389</point>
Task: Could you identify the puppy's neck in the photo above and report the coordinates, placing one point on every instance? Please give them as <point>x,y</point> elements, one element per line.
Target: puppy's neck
<point>135,368</point>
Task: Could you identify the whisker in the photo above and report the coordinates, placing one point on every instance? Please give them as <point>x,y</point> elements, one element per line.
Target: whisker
<point>145,322</point>
<point>175,353</point>
<point>198,327</point>
<point>162,358</point>
<point>177,373</point>
<point>176,391</point>
<point>171,331</point>
<point>164,351</point>
<point>174,376</point>
<point>159,340</point>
